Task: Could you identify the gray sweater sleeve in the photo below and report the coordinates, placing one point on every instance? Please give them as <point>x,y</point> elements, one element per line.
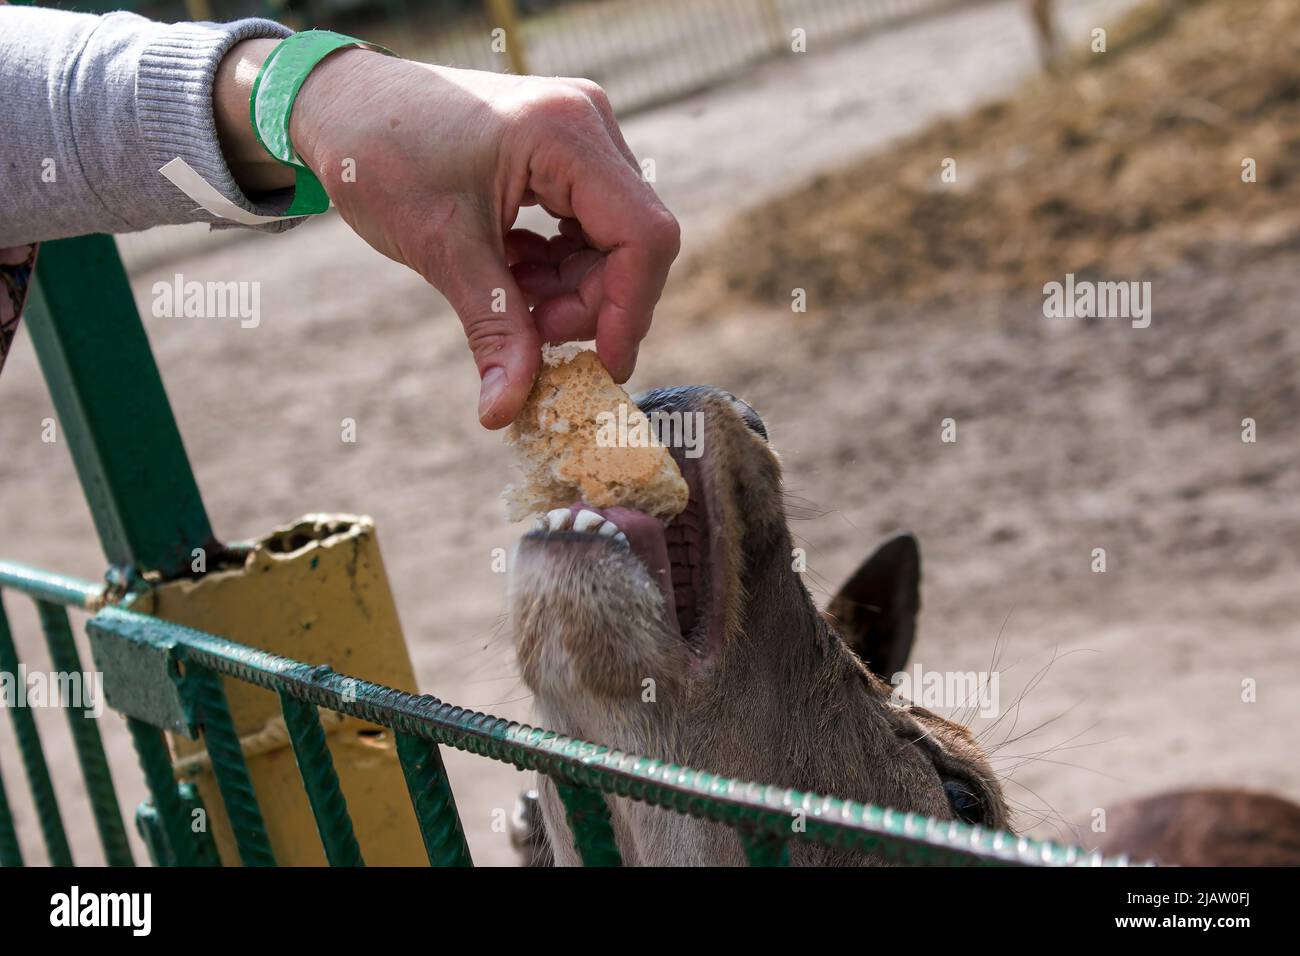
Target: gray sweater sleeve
<point>92,106</point>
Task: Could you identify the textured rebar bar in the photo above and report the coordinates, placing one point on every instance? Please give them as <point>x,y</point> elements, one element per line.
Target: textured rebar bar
<point>229,767</point>
<point>828,821</point>
<point>434,803</point>
<point>593,833</point>
<point>11,854</point>
<point>29,746</point>
<point>85,737</point>
<point>156,765</point>
<point>316,765</point>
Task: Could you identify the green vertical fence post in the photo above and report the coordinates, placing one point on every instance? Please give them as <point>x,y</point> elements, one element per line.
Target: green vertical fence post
<point>593,833</point>
<point>113,409</point>
<point>156,764</point>
<point>764,849</point>
<point>230,768</point>
<point>321,782</point>
<point>434,803</point>
<point>11,853</point>
<point>38,771</point>
<point>85,736</point>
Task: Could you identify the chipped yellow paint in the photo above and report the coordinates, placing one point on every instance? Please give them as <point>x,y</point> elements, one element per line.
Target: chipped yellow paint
<point>314,591</point>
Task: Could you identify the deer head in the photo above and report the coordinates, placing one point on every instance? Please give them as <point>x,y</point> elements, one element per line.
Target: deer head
<point>697,642</point>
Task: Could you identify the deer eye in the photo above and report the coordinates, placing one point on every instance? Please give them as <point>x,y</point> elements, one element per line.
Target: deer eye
<point>965,802</point>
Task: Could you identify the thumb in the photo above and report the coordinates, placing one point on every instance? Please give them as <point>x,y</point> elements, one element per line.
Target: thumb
<point>499,329</point>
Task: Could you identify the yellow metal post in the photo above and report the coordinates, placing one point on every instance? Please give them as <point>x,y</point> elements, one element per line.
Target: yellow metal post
<point>313,591</point>
<point>505,15</point>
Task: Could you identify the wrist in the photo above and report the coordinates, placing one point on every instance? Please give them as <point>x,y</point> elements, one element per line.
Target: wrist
<point>331,82</point>
<point>254,169</point>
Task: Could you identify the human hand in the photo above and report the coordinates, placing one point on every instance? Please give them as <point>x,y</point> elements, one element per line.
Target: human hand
<point>444,159</point>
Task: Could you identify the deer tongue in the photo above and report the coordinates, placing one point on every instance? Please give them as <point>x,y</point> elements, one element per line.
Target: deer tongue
<point>645,536</point>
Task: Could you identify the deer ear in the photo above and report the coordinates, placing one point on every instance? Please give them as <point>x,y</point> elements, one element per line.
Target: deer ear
<point>875,611</point>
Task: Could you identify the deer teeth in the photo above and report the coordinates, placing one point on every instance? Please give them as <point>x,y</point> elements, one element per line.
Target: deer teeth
<point>587,521</point>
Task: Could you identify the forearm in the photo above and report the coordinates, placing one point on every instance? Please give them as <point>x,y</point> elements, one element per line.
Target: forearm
<point>93,106</point>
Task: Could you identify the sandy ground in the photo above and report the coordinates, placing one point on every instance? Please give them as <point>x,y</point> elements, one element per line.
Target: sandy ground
<point>1070,438</point>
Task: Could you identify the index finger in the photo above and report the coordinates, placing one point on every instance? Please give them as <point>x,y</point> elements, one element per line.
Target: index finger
<point>623,218</point>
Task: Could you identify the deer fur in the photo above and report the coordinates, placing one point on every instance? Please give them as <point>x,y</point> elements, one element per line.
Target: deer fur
<point>779,693</point>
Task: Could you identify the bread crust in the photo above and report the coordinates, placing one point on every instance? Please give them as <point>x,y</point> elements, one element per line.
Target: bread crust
<point>574,442</point>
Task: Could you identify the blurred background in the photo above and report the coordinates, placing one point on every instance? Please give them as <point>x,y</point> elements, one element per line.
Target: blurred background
<point>1161,149</point>
<point>641,52</point>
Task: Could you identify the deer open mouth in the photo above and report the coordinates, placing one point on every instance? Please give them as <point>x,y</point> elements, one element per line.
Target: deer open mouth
<point>678,556</point>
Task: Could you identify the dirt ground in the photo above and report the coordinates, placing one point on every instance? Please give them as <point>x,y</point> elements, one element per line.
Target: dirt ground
<point>1071,437</point>
<point>1130,163</point>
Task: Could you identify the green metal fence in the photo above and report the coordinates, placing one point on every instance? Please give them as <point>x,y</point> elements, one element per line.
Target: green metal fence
<point>165,678</point>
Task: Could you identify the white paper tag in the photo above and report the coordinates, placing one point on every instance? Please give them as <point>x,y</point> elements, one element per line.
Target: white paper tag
<point>184,177</point>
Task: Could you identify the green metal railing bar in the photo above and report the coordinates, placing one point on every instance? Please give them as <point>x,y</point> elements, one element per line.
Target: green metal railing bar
<point>50,587</point>
<point>593,832</point>
<point>156,764</point>
<point>230,768</point>
<point>769,810</point>
<point>321,782</point>
<point>38,771</point>
<point>86,739</point>
<point>11,853</point>
<point>113,409</point>
<point>432,799</point>
<point>763,816</point>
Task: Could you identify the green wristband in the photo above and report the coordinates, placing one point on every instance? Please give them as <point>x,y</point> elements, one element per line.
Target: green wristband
<point>271,104</point>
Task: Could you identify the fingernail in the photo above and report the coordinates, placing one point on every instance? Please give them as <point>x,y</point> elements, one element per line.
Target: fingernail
<point>630,365</point>
<point>490,390</point>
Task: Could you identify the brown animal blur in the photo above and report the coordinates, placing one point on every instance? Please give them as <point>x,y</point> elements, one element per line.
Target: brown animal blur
<point>1206,828</point>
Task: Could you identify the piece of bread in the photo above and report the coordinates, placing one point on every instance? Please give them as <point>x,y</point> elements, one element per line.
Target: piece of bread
<point>565,449</point>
